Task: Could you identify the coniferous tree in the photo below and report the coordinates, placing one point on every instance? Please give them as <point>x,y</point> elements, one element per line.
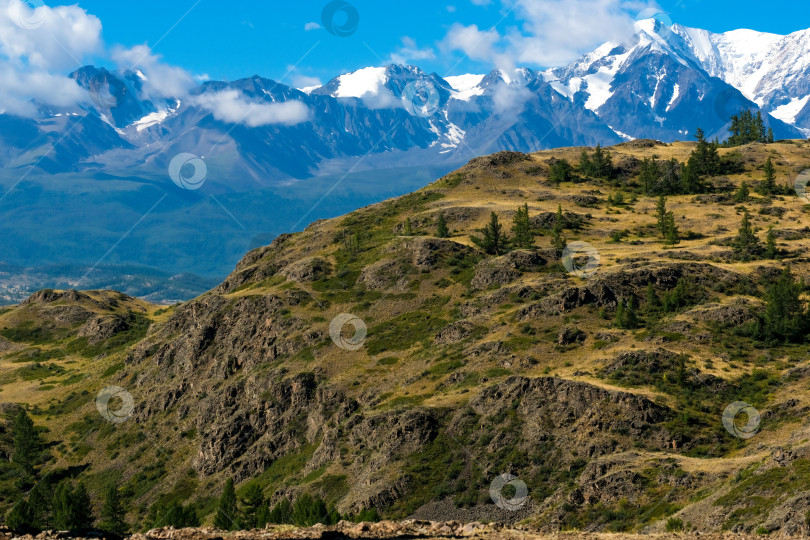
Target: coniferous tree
<point>619,319</point>
<point>441,227</point>
<point>706,158</point>
<point>743,193</point>
<point>72,508</point>
<point>558,240</point>
<point>282,512</point>
<point>785,316</point>
<point>522,228</point>
<point>561,171</point>
<point>691,182</point>
<point>40,501</point>
<point>746,244</point>
<point>27,445</point>
<point>653,302</point>
<point>252,504</point>
<point>113,516</point>
<point>675,298</point>
<point>649,174</point>
<point>671,234</point>
<point>494,240</point>
<point>585,164</point>
<point>172,515</point>
<point>19,517</point>
<point>408,227</point>
<point>768,187</point>
<point>771,249</point>
<point>227,516</point>
<point>661,215</point>
<point>602,164</point>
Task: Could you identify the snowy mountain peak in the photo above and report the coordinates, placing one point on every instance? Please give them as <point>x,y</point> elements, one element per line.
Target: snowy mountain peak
<point>359,83</point>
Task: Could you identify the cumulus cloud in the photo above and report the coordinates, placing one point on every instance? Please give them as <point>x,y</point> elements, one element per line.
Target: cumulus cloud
<point>508,98</point>
<point>36,48</point>
<point>549,32</point>
<point>410,52</point>
<point>231,107</point>
<point>161,80</point>
<point>311,26</point>
<point>48,38</point>
<point>305,81</point>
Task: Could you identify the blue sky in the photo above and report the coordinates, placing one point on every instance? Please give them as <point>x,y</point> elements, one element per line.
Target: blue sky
<point>231,40</point>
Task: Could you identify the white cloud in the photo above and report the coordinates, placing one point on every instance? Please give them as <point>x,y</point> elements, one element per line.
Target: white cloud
<point>555,32</point>
<point>478,45</point>
<point>410,52</point>
<point>382,99</point>
<point>162,80</point>
<point>19,89</point>
<point>60,38</point>
<point>37,47</point>
<point>508,98</point>
<point>231,107</point>
<point>304,81</point>
<point>311,26</point>
<point>549,33</point>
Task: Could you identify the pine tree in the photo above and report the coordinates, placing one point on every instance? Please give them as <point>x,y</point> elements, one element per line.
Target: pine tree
<point>691,181</point>
<point>227,516</point>
<point>252,504</point>
<point>770,135</point>
<point>282,512</point>
<point>561,171</point>
<point>671,235</point>
<point>785,317</point>
<point>585,164</point>
<point>743,193</point>
<point>619,319</point>
<point>522,228</point>
<point>441,227</point>
<point>19,517</point>
<point>661,215</point>
<point>81,508</point>
<point>746,244</point>
<point>630,315</point>
<point>27,445</point>
<point>771,249</point>
<point>653,302</point>
<point>112,513</point>
<point>408,227</point>
<point>558,240</point>
<point>675,298</point>
<point>707,160</point>
<point>40,501</point>
<point>649,175</point>
<point>494,240</point>
<point>602,163</point>
<point>72,508</point>
<point>768,187</point>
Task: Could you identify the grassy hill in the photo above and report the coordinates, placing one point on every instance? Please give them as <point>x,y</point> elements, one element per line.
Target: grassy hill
<point>473,364</point>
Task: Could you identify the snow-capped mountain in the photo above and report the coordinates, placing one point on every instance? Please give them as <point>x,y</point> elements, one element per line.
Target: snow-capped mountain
<point>278,157</point>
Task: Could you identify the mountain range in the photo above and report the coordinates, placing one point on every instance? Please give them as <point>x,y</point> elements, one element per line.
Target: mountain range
<point>93,180</point>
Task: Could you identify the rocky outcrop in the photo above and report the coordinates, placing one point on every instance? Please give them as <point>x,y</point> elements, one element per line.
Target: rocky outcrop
<point>502,270</point>
<point>306,270</point>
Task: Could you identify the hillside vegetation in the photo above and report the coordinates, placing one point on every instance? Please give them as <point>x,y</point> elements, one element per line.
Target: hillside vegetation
<point>488,350</point>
